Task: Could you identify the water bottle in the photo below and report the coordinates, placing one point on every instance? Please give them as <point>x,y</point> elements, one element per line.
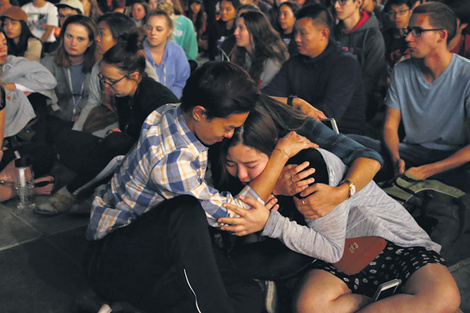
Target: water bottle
<point>24,183</point>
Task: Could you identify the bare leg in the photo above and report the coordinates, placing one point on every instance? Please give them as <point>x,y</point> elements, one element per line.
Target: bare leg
<point>430,289</point>
<point>321,291</point>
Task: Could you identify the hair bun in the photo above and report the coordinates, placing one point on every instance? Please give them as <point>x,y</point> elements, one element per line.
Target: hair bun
<point>134,39</point>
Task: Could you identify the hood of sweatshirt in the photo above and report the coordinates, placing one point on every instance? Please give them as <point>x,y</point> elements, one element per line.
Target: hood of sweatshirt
<point>356,41</point>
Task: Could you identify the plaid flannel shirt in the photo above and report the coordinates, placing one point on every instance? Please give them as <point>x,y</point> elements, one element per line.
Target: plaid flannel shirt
<point>168,160</point>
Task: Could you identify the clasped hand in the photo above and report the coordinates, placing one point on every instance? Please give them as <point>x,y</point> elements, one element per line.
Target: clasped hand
<point>319,199</point>
<point>248,221</point>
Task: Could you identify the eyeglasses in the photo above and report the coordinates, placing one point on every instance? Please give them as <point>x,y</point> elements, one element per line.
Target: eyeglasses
<point>61,16</point>
<point>110,84</point>
<point>341,2</point>
<point>417,31</point>
<point>397,13</point>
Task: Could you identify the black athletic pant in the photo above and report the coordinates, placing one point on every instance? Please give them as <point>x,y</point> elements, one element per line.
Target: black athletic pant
<point>88,155</point>
<point>165,262</point>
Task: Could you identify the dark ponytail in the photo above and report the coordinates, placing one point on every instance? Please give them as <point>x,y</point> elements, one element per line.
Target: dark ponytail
<point>128,53</point>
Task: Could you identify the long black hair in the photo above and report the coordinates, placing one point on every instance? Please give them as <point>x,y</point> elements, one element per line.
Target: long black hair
<point>266,42</point>
<point>266,123</point>
<point>20,48</point>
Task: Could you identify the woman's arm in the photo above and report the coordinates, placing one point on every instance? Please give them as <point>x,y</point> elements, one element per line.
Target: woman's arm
<point>182,72</point>
<point>94,99</point>
<point>286,147</point>
<point>303,106</point>
<point>30,74</point>
<point>322,239</point>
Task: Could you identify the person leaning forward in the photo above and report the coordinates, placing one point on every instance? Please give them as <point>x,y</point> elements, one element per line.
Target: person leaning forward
<point>148,232</point>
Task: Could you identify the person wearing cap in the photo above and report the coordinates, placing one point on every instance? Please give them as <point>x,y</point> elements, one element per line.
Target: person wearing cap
<point>21,42</point>
<point>42,19</point>
<point>68,8</point>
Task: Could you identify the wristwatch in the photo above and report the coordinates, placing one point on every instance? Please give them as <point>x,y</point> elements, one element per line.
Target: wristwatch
<point>290,100</point>
<point>352,187</point>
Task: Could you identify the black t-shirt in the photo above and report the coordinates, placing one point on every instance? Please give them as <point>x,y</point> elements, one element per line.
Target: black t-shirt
<point>395,48</point>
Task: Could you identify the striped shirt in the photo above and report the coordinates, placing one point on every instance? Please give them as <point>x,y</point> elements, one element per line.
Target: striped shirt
<point>168,160</point>
<point>370,212</point>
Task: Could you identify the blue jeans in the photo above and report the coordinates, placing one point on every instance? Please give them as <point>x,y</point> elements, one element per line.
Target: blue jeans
<point>416,155</point>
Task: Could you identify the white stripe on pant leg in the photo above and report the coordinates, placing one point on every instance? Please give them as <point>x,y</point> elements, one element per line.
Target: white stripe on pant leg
<point>192,290</point>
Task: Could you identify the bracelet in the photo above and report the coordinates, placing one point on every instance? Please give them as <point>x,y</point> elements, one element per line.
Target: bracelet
<point>288,156</point>
<point>290,100</point>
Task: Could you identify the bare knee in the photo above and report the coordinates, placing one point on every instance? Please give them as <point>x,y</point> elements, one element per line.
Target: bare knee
<point>306,304</point>
<point>435,288</point>
<point>448,300</point>
<point>320,291</point>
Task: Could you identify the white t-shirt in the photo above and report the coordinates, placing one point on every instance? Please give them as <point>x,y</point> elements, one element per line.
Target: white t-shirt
<point>40,18</point>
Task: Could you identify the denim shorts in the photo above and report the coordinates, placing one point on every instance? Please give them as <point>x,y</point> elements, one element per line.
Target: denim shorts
<point>393,262</point>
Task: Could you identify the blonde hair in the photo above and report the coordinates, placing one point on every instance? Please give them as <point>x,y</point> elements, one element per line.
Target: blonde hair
<point>160,12</point>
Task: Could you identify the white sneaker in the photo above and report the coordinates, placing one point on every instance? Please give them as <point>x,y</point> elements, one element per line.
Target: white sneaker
<point>59,203</point>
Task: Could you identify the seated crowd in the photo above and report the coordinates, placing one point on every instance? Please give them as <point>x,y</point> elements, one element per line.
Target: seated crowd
<point>230,157</point>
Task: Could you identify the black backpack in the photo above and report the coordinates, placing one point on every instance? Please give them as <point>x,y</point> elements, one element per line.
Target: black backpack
<point>441,210</point>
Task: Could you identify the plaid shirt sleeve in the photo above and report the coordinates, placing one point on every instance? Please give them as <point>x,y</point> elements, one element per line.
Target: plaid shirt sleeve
<point>182,172</point>
<point>167,161</point>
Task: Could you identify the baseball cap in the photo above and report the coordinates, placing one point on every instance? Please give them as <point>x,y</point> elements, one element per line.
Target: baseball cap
<point>74,4</point>
<point>15,13</point>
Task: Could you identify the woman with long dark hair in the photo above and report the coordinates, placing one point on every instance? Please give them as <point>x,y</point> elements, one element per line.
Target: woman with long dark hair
<point>198,16</point>
<point>338,281</point>
<point>286,20</point>
<point>21,42</point>
<point>259,48</point>
<point>139,12</point>
<point>71,65</point>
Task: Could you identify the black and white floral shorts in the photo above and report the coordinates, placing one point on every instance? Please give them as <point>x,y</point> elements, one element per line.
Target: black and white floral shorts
<point>393,262</point>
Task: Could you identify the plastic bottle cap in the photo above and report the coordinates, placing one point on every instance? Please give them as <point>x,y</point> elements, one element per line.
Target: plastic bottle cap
<point>23,161</point>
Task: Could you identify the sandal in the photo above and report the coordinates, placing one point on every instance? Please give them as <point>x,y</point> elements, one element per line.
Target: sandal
<point>59,203</point>
<point>44,185</point>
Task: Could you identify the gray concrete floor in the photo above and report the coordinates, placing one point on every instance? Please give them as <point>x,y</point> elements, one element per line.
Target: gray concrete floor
<point>40,261</point>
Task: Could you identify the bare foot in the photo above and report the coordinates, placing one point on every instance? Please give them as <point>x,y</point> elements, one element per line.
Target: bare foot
<point>44,185</point>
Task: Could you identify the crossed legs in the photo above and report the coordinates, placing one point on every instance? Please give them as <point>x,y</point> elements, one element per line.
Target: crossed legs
<point>429,289</point>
